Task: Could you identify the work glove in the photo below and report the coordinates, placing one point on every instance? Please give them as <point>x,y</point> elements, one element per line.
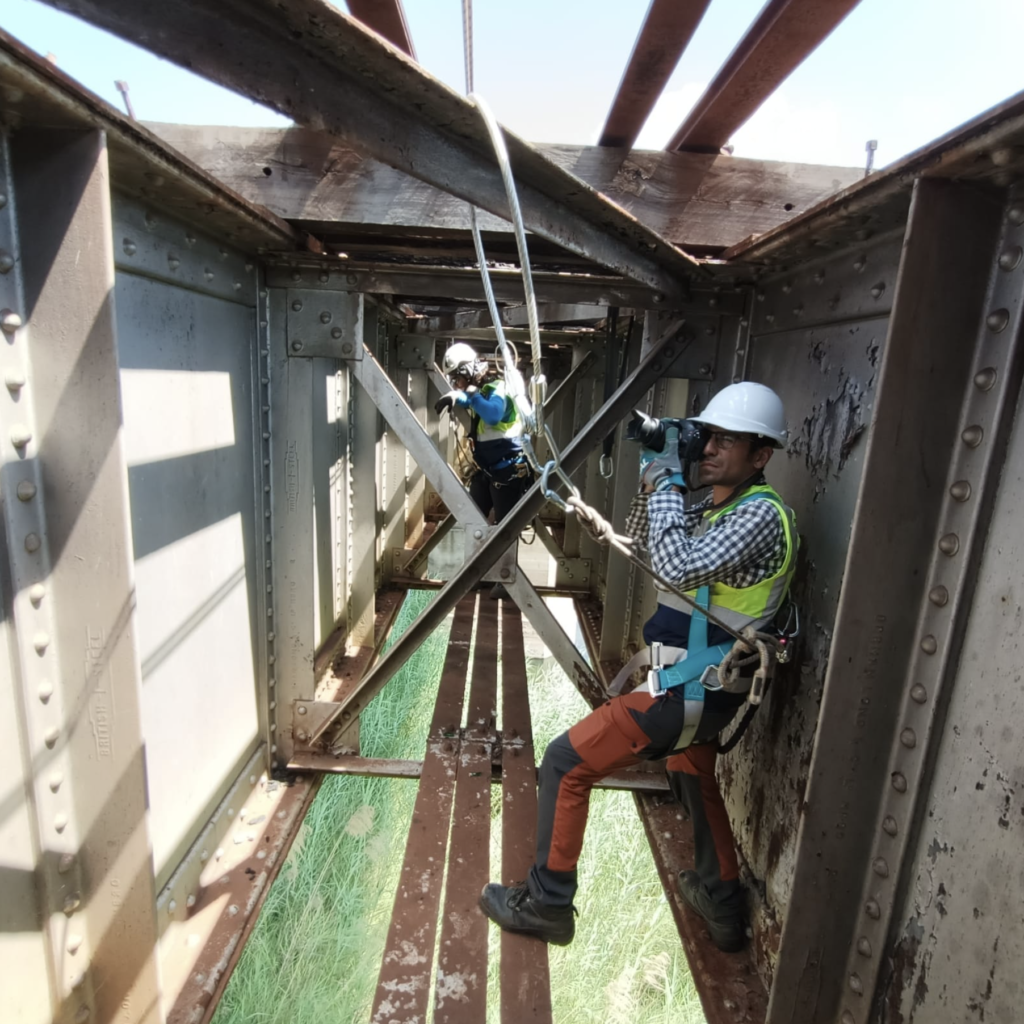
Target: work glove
<point>449,400</point>
<point>662,470</point>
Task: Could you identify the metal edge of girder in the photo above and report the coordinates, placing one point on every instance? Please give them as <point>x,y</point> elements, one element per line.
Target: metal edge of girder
<point>142,164</point>
<point>319,51</point>
<point>977,149</point>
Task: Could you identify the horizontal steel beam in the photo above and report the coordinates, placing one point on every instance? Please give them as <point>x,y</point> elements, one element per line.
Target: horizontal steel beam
<point>314,64</point>
<point>387,19</point>
<point>504,533</point>
<point>782,36</point>
<point>666,32</point>
<point>390,768</point>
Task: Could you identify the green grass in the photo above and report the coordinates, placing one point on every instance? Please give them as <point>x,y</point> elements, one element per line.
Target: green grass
<point>316,949</point>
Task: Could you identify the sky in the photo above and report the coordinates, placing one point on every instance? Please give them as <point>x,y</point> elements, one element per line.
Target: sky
<point>902,72</point>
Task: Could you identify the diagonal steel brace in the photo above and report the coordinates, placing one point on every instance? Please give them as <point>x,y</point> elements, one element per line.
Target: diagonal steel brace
<point>618,406</point>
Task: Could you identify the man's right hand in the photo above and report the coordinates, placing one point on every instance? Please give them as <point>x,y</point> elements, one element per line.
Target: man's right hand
<point>449,400</point>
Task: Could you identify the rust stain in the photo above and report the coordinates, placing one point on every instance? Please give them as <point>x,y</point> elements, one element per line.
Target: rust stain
<point>831,432</point>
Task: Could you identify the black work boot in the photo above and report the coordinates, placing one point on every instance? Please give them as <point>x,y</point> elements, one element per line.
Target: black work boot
<point>514,909</point>
<point>724,920</point>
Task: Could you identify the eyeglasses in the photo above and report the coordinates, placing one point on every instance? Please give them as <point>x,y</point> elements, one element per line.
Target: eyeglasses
<point>723,441</point>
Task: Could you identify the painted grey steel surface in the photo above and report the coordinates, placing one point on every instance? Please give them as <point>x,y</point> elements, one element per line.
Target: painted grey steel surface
<point>69,601</point>
<point>186,357</point>
<point>902,501</point>
<point>956,909</point>
<point>826,376</point>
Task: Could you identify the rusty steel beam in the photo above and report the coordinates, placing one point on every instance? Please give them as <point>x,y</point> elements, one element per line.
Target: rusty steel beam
<point>666,32</point>
<point>320,67</point>
<point>387,19</point>
<point>782,36</point>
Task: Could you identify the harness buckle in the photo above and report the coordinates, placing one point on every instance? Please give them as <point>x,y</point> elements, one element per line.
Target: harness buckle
<point>654,686</point>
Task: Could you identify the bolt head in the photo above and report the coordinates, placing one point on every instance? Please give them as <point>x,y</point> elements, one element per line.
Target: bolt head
<point>9,321</point>
<point>296,346</point>
<point>6,262</point>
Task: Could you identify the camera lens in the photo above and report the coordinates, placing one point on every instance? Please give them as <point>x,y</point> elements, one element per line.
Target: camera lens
<point>646,430</point>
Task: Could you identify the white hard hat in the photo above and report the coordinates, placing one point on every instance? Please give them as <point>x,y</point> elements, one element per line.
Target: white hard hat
<point>747,408</point>
<point>462,359</point>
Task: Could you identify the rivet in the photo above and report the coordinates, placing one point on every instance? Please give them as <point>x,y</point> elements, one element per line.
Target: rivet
<point>938,595</point>
<point>6,262</point>
<point>899,782</point>
<point>505,573</point>
<point>296,346</point>
<point>60,822</point>
<point>889,826</point>
<point>14,379</point>
<point>347,347</point>
<point>872,909</point>
<point>208,274</point>
<point>856,985</point>
<point>770,317</point>
<point>273,748</point>
<point>296,276</point>
<point>300,735</point>
<point>985,379</point>
<point>301,709</point>
<point>997,320</point>
<point>248,268</point>
<point>705,369</point>
<point>847,1018</point>
<point>324,277</point>
<point>83,1015</point>
<point>918,693</point>
<point>657,298</point>
<point>960,491</point>
<point>336,332</point>
<point>271,637</point>
<point>45,692</point>
<point>3,200</point>
<point>949,544</point>
<point>74,943</point>
<point>798,309</point>
<point>66,863</point>
<point>190,901</point>
<point>346,715</point>
<point>1016,215</point>
<point>237,286</point>
<point>26,490</point>
<point>819,276</point>
<point>190,239</point>
<point>20,435</point>
<point>740,353</point>
<point>297,305</point>
<point>787,287</point>
<point>223,253</point>
<point>1008,259</point>
<point>880,867</point>
<point>172,906</point>
<point>72,902</point>
<point>32,543</point>
<point>972,436</point>
<point>56,781</point>
<point>878,290</point>
<point>173,262</point>
<point>760,295</point>
<point>860,263</point>
<point>41,641</point>
<point>863,946</point>
<point>325,317</point>
<point>709,331</point>
<point>130,248</point>
<point>908,738</point>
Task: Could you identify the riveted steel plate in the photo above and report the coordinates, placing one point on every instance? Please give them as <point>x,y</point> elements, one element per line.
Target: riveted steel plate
<point>324,323</point>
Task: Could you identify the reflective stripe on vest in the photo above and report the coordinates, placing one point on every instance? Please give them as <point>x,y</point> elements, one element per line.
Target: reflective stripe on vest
<point>509,426</point>
<point>755,606</point>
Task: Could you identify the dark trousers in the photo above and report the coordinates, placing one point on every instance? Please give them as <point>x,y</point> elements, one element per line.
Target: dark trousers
<point>500,489</point>
<point>622,732</point>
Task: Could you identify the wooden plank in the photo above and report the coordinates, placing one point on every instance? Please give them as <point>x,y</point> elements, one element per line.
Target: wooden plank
<point>699,201</point>
<point>525,975</point>
<point>460,995</point>
<point>404,981</point>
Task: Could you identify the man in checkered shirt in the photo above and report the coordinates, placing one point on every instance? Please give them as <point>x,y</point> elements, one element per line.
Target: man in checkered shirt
<point>740,541</point>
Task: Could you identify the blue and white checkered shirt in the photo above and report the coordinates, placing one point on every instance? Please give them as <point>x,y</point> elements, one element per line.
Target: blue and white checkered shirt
<point>741,548</point>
